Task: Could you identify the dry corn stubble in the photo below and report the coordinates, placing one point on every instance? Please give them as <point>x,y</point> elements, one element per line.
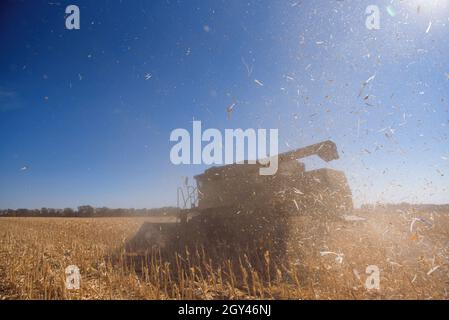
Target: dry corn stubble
<point>34,253</point>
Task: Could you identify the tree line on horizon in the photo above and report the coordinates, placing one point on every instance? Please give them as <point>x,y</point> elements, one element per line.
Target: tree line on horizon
<point>391,207</point>
<point>89,211</point>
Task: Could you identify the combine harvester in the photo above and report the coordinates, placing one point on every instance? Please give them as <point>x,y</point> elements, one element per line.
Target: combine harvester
<point>234,210</point>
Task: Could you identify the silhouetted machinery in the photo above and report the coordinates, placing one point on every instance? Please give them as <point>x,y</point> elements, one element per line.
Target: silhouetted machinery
<point>237,205</point>
<point>235,210</point>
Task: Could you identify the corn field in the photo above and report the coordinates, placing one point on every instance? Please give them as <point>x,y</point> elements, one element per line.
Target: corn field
<point>324,262</point>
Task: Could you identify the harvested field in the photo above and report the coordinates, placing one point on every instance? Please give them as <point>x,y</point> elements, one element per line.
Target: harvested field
<point>324,261</point>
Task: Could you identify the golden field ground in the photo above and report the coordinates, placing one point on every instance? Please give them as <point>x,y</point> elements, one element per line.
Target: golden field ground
<point>325,261</point>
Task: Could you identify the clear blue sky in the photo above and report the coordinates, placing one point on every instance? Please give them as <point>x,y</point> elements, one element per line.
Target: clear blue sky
<point>80,123</point>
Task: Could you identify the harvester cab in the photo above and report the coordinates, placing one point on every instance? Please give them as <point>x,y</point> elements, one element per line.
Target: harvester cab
<point>240,186</point>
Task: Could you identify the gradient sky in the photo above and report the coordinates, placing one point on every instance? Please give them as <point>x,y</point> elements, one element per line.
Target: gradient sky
<point>80,123</point>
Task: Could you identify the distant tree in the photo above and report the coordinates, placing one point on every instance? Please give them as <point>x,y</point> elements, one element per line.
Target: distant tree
<point>23,212</point>
<point>86,211</point>
<point>102,212</point>
<point>68,212</point>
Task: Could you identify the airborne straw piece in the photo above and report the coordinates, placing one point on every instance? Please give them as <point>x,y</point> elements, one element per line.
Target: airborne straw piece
<point>364,84</point>
<point>249,69</point>
<point>420,220</point>
<point>369,79</point>
<point>391,11</point>
<point>339,257</point>
<point>432,270</point>
<point>428,28</point>
<point>229,109</point>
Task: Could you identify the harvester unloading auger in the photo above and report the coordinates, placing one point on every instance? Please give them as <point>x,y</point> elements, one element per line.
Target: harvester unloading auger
<point>237,210</point>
